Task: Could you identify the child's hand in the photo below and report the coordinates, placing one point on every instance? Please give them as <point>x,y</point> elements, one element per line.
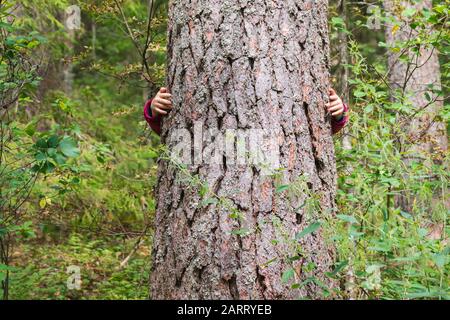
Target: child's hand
<point>335,106</point>
<point>162,103</point>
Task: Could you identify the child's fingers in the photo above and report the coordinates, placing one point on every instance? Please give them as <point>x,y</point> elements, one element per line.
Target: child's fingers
<point>163,90</point>
<point>165,95</point>
<point>337,113</point>
<point>332,92</point>
<point>164,101</point>
<point>164,106</point>
<point>159,111</point>
<point>340,107</point>
<point>334,97</point>
<point>332,101</point>
<point>334,104</point>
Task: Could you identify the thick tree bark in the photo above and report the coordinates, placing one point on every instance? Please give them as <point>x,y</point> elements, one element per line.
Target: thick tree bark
<point>424,135</point>
<point>246,65</point>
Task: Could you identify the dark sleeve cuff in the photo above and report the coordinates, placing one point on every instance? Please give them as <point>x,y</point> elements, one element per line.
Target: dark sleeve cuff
<point>342,118</point>
<point>338,124</point>
<point>154,122</point>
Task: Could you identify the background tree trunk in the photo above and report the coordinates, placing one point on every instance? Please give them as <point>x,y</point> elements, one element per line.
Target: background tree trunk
<point>245,65</point>
<point>344,89</point>
<point>415,77</point>
<point>425,135</point>
<point>68,75</point>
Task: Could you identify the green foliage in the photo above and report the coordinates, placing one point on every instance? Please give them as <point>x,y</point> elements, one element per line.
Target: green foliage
<point>310,229</point>
<point>45,275</point>
<point>385,252</point>
<point>26,153</point>
<point>97,171</point>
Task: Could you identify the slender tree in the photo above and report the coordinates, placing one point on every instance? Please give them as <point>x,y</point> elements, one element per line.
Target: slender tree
<point>243,65</point>
<point>344,89</point>
<point>71,19</point>
<point>343,71</point>
<point>415,79</point>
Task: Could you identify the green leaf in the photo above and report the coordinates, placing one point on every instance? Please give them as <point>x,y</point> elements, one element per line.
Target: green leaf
<point>422,232</point>
<point>52,142</point>
<point>240,232</point>
<point>353,232</point>
<point>380,247</point>
<point>338,22</point>
<point>294,258</point>
<point>46,168</point>
<point>359,94</point>
<point>41,144</point>
<point>406,215</point>
<point>426,294</point>
<point>209,201</point>
<point>69,148</point>
<point>347,218</point>
<point>60,159</point>
<point>287,275</point>
<point>40,156</point>
<point>4,267</point>
<point>7,26</point>
<point>310,229</point>
<point>152,154</point>
<point>338,269</point>
<point>409,12</point>
<point>30,129</point>
<point>282,188</point>
<point>51,152</point>
<point>440,260</point>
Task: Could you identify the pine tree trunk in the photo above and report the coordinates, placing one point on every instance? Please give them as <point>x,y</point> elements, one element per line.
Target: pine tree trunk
<point>246,65</point>
<point>425,135</point>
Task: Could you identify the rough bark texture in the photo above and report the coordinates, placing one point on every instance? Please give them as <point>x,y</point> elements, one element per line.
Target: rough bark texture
<point>245,65</point>
<point>414,78</point>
